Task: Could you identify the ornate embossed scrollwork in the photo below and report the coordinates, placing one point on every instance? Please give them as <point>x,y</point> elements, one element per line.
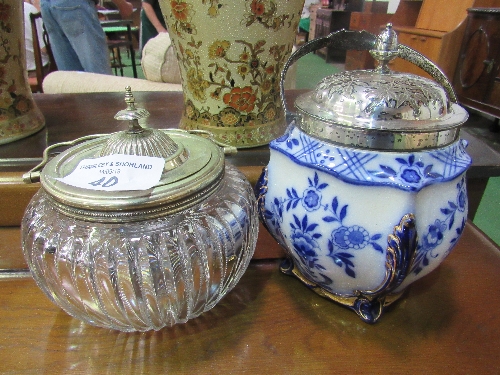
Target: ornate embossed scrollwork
<point>369,305</point>
<point>401,251</point>
<point>378,109</point>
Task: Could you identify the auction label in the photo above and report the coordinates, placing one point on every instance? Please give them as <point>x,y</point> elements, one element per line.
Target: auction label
<point>116,173</point>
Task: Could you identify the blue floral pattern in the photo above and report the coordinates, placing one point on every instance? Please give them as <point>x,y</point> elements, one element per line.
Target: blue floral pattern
<point>344,239</point>
<point>435,233</point>
<point>364,167</point>
<point>304,240</point>
<point>321,224</point>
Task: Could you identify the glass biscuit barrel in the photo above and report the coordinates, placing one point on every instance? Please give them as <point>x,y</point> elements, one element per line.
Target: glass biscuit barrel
<point>139,258</point>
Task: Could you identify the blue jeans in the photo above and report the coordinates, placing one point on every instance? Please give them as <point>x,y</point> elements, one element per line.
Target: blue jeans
<point>76,36</point>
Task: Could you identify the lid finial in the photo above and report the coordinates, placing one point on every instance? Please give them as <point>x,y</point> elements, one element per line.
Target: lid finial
<point>138,140</point>
<point>132,113</point>
<point>386,48</point>
<point>129,99</point>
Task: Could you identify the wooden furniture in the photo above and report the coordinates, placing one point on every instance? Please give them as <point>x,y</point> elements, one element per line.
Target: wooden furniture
<point>334,19</point>
<point>375,6</point>
<point>313,10</point>
<point>434,28</point>
<point>119,34</point>
<point>40,71</point>
<point>477,78</point>
<point>447,323</point>
<point>327,21</point>
<point>371,22</point>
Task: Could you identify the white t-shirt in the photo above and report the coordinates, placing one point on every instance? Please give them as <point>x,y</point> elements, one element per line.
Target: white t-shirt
<point>305,9</point>
<point>28,37</point>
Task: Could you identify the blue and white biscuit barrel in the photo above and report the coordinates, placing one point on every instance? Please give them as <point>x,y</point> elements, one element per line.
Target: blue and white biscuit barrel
<point>366,189</point>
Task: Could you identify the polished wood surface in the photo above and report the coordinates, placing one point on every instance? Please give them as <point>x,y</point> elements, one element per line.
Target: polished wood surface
<point>447,323</point>
<point>70,116</point>
<point>436,15</point>
<point>270,323</point>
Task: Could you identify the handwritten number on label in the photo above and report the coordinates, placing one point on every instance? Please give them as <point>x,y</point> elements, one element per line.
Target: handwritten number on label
<point>113,180</point>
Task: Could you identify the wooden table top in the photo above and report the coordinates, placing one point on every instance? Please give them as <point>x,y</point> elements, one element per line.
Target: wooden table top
<point>447,323</point>
<point>270,323</point>
<point>70,116</point>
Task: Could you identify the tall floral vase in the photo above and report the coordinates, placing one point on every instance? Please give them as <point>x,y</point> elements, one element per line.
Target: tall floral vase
<point>19,115</point>
<point>230,54</point>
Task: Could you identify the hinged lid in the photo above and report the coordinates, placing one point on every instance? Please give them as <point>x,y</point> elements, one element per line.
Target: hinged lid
<point>381,109</point>
<point>192,170</point>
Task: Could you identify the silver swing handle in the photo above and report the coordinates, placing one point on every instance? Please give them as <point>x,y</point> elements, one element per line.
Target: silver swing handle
<point>34,174</point>
<point>380,48</point>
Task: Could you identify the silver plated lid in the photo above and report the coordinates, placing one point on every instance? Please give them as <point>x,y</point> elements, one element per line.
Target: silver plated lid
<point>380,109</point>
<point>193,169</point>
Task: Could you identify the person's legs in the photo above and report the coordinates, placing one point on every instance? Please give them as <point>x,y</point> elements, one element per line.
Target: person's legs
<point>80,35</point>
<point>66,58</point>
<point>90,45</point>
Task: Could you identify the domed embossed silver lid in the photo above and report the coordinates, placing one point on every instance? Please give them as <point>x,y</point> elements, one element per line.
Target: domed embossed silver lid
<point>381,109</point>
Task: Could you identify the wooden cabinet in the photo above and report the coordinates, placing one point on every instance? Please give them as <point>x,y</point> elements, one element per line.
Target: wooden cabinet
<point>477,78</point>
<point>438,46</point>
<point>434,28</point>
<point>327,21</point>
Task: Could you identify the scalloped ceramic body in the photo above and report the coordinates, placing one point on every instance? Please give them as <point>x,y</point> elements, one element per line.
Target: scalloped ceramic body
<point>143,275</point>
<point>361,224</point>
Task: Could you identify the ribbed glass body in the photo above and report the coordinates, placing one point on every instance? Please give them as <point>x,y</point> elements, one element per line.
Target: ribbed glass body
<point>144,275</point>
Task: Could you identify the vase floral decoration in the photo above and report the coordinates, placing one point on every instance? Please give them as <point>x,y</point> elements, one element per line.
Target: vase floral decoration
<point>230,54</point>
<point>19,115</point>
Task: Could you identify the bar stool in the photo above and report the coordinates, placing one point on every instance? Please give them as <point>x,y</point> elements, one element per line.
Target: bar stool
<point>119,34</point>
